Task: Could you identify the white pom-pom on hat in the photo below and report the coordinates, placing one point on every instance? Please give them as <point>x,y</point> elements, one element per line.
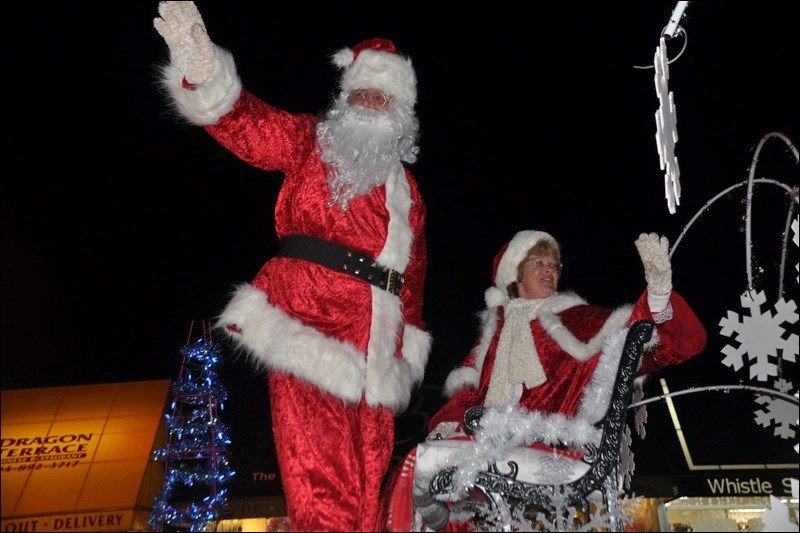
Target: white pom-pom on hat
<point>343,58</point>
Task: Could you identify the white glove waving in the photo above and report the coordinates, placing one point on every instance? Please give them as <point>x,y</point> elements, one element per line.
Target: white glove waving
<point>654,252</point>
<point>190,47</point>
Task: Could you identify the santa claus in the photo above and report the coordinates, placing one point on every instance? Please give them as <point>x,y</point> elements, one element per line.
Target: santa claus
<point>335,317</point>
<point>547,352</point>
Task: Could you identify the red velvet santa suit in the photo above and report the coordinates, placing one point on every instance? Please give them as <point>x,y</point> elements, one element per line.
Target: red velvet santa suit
<point>343,355</point>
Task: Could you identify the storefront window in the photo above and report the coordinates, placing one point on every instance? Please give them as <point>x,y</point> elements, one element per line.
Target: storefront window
<point>722,513</point>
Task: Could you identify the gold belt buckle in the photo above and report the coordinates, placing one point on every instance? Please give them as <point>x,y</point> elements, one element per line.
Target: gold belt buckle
<point>394,277</point>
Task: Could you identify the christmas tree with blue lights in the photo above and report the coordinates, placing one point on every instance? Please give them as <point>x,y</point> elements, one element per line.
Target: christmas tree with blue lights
<point>196,452</point>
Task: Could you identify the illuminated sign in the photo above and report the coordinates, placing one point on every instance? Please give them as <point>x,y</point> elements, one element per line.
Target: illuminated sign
<point>52,451</point>
<point>749,486</point>
<point>108,521</point>
<point>79,458</point>
<point>744,484</point>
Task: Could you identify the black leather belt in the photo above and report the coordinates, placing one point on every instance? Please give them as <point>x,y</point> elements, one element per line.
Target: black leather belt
<point>341,259</point>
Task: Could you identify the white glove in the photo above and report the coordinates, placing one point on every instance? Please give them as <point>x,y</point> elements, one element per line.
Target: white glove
<point>190,47</point>
<point>654,251</point>
<point>442,431</point>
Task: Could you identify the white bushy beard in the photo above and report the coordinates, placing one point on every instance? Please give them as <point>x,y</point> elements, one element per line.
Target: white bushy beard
<point>360,146</point>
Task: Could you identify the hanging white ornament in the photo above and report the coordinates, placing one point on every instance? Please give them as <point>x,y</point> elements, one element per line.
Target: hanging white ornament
<point>666,128</point>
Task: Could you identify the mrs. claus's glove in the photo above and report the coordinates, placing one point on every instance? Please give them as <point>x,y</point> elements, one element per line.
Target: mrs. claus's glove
<point>442,431</point>
<point>654,251</point>
<point>190,47</point>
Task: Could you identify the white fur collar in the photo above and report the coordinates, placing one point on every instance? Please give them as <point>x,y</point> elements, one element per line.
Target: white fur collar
<point>581,351</point>
<point>551,322</point>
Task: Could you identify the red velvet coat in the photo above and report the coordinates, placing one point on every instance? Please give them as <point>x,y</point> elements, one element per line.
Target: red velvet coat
<point>340,333</point>
<point>569,355</point>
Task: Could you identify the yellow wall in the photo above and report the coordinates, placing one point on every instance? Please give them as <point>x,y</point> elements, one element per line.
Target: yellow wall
<point>78,458</point>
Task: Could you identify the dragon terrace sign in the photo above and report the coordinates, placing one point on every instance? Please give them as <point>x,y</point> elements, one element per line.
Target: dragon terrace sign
<point>52,451</point>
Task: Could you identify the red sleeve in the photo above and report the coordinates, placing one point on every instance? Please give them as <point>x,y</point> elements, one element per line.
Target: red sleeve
<point>680,338</point>
<point>264,136</point>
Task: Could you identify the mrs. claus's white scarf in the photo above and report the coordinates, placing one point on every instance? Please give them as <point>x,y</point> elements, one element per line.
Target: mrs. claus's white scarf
<point>516,360</point>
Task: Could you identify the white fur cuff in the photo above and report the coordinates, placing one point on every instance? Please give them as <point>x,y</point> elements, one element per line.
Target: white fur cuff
<point>205,104</point>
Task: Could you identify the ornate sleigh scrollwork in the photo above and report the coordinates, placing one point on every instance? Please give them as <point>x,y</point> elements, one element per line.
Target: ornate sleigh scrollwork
<point>509,496</point>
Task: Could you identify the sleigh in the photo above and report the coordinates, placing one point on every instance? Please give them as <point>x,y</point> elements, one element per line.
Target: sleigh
<point>561,486</point>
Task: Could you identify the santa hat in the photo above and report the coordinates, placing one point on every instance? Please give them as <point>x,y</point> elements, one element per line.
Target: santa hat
<point>375,64</point>
<point>508,259</point>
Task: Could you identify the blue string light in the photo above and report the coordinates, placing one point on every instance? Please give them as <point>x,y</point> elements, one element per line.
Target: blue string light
<point>197,444</point>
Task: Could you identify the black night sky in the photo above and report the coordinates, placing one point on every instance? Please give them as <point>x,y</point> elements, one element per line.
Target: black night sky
<point>121,225</point>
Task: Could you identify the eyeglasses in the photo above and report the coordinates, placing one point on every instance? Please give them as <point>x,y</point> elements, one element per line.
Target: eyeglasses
<point>539,265</point>
<point>373,97</point>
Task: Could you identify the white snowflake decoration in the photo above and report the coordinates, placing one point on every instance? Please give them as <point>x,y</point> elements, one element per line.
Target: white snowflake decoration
<point>666,131</point>
<point>794,240</point>
<point>778,516</point>
<point>627,465</point>
<point>779,413</point>
<point>760,335</point>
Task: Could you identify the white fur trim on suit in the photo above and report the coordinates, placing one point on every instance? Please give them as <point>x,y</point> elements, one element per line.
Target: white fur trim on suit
<point>469,376</point>
<point>548,317</point>
<point>597,394</point>
<point>581,351</point>
<point>416,349</point>
<point>207,102</point>
<point>461,378</point>
<point>275,340</point>
<point>390,73</point>
<point>390,379</point>
<point>396,251</point>
<point>387,378</point>
<point>278,341</point>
